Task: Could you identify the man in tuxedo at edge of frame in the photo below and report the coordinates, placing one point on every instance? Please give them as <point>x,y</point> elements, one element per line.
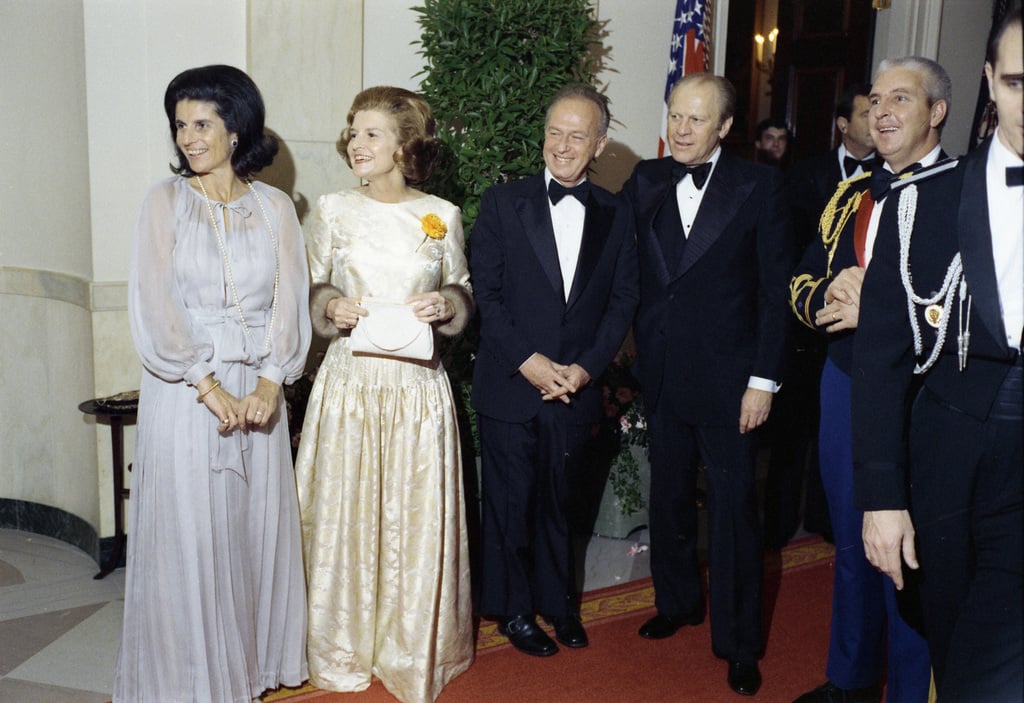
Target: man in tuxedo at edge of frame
<point>944,301</point>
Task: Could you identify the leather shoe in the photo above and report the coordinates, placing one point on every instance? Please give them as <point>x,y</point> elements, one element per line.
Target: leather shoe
<point>744,678</point>
<point>661,626</point>
<point>523,633</point>
<point>830,693</point>
<point>569,630</point>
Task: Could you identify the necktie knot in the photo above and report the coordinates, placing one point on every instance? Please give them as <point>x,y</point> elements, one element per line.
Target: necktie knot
<point>698,173</point>
<point>1014,176</point>
<point>557,191</point>
<point>881,180</point>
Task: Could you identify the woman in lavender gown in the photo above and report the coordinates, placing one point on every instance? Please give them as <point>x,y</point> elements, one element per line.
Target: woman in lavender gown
<point>215,605</point>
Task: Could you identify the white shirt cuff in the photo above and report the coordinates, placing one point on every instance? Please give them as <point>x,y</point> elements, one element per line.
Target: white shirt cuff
<point>763,384</point>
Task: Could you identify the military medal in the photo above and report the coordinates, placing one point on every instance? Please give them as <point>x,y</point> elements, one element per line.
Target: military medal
<point>933,315</point>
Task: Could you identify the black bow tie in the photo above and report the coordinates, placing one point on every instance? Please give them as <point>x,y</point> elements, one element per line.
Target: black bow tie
<point>882,180</point>
<point>851,163</point>
<point>557,191</point>
<point>698,173</point>
<point>1014,176</point>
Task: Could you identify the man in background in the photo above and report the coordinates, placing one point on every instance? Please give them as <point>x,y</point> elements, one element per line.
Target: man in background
<point>771,142</point>
<point>793,470</point>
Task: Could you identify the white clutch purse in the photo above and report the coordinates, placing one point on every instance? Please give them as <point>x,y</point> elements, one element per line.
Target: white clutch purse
<point>391,329</point>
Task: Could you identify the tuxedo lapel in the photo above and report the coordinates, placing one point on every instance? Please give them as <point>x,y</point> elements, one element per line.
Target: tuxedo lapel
<point>726,192</point>
<point>976,245</point>
<point>536,220</point>
<point>659,190</point>
<point>596,225</point>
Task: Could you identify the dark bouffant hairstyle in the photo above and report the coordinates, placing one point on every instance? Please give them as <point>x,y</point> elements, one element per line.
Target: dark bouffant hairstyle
<point>414,122</point>
<point>238,102</point>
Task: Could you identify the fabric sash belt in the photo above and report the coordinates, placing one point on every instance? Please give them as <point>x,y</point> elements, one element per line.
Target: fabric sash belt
<point>240,355</point>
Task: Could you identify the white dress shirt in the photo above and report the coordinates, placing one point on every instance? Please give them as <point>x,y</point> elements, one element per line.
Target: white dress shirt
<point>842,153</point>
<point>690,198</point>
<point>876,212</point>
<point>567,220</point>
<point>1006,220</point>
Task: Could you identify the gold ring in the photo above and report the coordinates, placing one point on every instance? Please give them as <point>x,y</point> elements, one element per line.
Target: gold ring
<point>835,316</point>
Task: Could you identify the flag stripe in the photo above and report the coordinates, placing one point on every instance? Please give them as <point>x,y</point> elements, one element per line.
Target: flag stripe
<point>688,50</point>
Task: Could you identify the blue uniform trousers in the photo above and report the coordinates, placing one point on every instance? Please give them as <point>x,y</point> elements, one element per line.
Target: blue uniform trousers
<point>864,612</point>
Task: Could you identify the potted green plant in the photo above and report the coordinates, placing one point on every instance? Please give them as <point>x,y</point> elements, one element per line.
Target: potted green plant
<point>490,68</point>
<point>623,506</point>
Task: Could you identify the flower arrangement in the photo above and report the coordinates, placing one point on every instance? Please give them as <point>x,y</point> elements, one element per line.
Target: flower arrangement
<point>626,424</point>
<point>433,228</point>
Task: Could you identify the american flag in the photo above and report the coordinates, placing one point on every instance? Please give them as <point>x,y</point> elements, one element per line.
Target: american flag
<point>688,52</point>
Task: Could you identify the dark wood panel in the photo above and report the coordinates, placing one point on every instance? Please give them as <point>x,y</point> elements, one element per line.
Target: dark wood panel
<point>823,46</point>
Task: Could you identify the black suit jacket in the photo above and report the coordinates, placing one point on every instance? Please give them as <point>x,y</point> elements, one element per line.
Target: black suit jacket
<point>809,186</point>
<point>951,217</point>
<point>710,320</point>
<point>518,287</point>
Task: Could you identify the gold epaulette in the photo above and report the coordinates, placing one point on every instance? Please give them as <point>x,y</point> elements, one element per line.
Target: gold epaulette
<point>840,208</point>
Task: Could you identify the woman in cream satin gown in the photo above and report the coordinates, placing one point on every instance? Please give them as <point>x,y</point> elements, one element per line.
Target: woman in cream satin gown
<point>378,469</point>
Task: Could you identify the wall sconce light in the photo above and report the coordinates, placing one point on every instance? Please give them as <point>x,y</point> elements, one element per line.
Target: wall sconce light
<point>881,4</point>
<point>766,64</point>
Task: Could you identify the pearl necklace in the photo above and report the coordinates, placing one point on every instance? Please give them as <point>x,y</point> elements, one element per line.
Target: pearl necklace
<point>227,262</point>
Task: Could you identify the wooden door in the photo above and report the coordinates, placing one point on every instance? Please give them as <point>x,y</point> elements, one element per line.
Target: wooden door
<point>824,45</point>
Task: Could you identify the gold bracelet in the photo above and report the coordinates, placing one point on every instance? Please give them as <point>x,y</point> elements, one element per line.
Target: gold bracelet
<point>199,398</point>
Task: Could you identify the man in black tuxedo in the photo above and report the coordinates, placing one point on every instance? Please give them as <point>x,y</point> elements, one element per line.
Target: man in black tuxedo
<point>555,278</point>
<point>811,183</point>
<point>793,427</point>
<point>943,302</point>
<point>715,250</point>
<point>870,638</point>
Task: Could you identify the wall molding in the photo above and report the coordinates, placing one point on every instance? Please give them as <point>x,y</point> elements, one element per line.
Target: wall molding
<point>103,296</point>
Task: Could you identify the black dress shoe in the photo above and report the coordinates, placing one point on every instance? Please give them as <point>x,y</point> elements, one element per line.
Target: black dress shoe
<point>830,693</point>
<point>569,630</point>
<point>744,678</point>
<point>661,626</point>
<point>523,633</point>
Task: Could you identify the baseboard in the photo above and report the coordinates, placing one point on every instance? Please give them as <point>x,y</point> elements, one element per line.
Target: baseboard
<point>52,522</point>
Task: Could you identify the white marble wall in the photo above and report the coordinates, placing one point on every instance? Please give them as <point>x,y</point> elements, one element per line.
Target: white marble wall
<point>46,449</point>
<point>306,58</point>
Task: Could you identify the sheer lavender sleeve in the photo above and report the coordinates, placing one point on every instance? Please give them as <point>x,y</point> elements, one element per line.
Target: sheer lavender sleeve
<point>169,343</point>
<point>292,333</point>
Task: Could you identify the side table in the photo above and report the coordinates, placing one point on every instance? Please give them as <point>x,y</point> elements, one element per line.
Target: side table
<point>115,410</point>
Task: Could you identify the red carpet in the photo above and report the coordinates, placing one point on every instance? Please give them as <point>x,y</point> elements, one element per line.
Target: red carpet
<point>621,666</point>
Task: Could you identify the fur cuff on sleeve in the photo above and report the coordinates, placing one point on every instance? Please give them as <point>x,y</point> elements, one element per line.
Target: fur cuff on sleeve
<point>465,307</point>
<point>319,295</point>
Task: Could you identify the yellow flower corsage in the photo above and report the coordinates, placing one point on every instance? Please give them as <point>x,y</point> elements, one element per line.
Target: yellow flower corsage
<point>433,227</point>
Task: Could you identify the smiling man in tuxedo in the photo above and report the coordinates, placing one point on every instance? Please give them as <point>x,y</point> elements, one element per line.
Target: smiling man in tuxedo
<point>715,249</point>
<point>942,310</point>
<point>870,638</point>
<point>555,279</point>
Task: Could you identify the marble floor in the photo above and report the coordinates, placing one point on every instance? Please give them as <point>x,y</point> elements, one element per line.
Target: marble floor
<point>60,628</point>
